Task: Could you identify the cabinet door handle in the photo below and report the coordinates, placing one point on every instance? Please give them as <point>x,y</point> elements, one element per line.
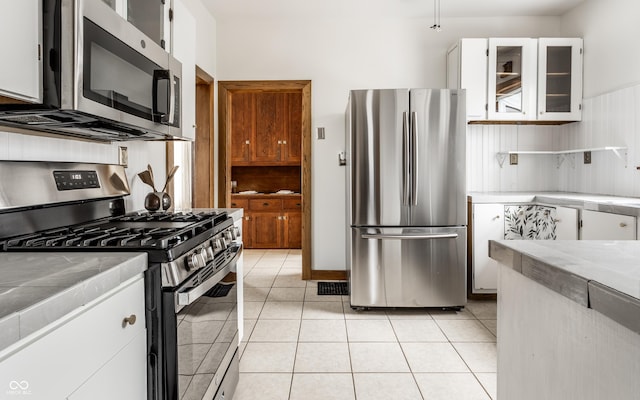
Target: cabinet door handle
<point>130,320</point>
<point>284,142</point>
<point>265,204</point>
<point>279,141</point>
<point>623,225</point>
<point>246,142</point>
<point>496,217</point>
<point>557,220</point>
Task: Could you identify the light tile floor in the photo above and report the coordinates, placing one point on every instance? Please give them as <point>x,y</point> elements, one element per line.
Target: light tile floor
<point>301,346</point>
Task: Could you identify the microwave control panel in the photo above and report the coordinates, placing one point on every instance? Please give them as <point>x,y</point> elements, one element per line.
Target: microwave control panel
<point>71,180</point>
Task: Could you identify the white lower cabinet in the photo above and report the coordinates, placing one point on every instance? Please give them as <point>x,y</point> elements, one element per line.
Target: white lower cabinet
<point>488,224</point>
<point>566,221</point>
<point>95,352</point>
<point>596,225</point>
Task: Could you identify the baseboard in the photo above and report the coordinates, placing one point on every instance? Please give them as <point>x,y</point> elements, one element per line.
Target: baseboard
<point>329,275</point>
<point>482,296</point>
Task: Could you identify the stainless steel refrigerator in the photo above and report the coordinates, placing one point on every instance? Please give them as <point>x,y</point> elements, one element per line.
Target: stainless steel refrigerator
<point>406,200</point>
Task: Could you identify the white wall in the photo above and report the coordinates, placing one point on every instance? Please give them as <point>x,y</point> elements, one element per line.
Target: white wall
<point>611,109</point>
<point>610,30</point>
<point>205,36</point>
<point>339,55</point>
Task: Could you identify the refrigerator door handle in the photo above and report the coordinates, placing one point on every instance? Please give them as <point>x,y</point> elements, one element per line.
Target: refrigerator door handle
<point>405,159</point>
<point>409,236</point>
<point>414,159</point>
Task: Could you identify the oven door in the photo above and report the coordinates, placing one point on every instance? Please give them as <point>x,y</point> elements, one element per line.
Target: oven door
<point>123,75</point>
<point>203,340</point>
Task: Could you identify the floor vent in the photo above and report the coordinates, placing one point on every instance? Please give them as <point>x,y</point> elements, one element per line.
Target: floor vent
<point>219,290</point>
<point>333,288</point>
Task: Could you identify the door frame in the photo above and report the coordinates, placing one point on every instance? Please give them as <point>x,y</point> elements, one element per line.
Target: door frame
<point>225,90</point>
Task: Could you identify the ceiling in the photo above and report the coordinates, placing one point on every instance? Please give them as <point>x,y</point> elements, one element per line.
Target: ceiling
<point>227,10</point>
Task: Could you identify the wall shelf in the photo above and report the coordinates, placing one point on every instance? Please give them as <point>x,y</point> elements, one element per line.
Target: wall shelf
<point>620,152</point>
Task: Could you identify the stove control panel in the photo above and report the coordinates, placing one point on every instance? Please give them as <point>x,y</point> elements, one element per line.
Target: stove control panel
<point>70,180</point>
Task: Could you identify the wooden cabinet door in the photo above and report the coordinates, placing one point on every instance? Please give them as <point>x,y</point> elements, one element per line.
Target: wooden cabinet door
<point>247,230</point>
<point>292,143</point>
<point>266,231</point>
<point>270,126</point>
<point>242,126</point>
<point>293,230</point>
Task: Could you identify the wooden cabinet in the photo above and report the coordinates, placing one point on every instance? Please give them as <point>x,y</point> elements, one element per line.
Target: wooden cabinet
<point>21,69</point>
<point>91,353</point>
<point>596,225</point>
<point>270,222</point>
<point>266,128</point>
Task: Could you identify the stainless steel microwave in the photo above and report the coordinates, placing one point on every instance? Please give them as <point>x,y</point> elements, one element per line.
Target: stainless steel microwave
<point>103,79</point>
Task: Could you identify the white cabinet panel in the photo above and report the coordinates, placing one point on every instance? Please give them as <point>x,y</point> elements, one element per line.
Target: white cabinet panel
<point>21,66</point>
<point>597,225</point>
<point>121,378</point>
<point>488,224</point>
<point>560,79</point>
<point>184,50</point>
<point>566,223</point>
<point>467,69</point>
<point>60,358</point>
<point>511,90</point>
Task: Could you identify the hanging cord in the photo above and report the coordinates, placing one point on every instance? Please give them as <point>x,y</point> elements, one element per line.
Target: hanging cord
<point>436,16</point>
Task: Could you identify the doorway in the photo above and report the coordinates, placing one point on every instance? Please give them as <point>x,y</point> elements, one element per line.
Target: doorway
<point>284,95</point>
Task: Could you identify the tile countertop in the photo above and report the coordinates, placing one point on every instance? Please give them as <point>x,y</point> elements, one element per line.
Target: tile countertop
<point>602,275</point>
<point>586,201</point>
<point>36,289</point>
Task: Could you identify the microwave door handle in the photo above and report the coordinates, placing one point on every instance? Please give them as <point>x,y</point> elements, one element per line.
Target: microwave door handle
<point>158,75</point>
<point>172,98</point>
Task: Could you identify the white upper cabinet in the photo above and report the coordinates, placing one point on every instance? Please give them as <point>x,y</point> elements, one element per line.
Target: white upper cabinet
<point>21,44</point>
<point>559,79</point>
<point>472,76</point>
<point>184,50</point>
<point>511,90</point>
<point>518,79</point>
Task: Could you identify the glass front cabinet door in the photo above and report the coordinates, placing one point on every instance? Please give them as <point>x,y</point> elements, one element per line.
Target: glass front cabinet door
<point>512,79</point>
<point>559,79</point>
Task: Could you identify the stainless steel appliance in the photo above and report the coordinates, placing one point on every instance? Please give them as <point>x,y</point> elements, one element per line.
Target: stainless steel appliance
<point>192,339</point>
<point>103,78</point>
<point>406,200</point>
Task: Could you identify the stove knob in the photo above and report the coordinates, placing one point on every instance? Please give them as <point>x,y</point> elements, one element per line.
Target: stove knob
<point>193,262</point>
<point>210,253</point>
<point>228,236</point>
<point>236,232</point>
<point>204,255</point>
<point>222,243</point>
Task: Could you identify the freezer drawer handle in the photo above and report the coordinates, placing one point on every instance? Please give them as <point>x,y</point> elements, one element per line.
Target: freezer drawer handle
<point>409,237</point>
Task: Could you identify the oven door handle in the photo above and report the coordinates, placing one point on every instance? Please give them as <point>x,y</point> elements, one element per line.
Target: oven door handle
<point>187,297</point>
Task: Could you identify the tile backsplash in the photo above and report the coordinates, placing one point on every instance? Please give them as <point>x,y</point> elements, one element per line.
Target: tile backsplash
<point>609,120</point>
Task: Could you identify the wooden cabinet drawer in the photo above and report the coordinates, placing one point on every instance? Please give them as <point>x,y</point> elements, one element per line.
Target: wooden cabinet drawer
<point>265,205</point>
<point>292,204</point>
<point>240,203</point>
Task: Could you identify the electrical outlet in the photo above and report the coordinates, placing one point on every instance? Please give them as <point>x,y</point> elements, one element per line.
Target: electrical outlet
<point>587,157</point>
<point>123,156</point>
<point>513,159</point>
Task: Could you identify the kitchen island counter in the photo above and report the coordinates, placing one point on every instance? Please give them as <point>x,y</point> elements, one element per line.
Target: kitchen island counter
<point>568,319</point>
<point>36,289</point>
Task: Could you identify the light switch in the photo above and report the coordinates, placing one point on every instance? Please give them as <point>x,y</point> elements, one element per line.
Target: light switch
<point>321,133</point>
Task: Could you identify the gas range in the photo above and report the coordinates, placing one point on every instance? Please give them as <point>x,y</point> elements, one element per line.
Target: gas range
<point>181,242</point>
<point>62,207</point>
